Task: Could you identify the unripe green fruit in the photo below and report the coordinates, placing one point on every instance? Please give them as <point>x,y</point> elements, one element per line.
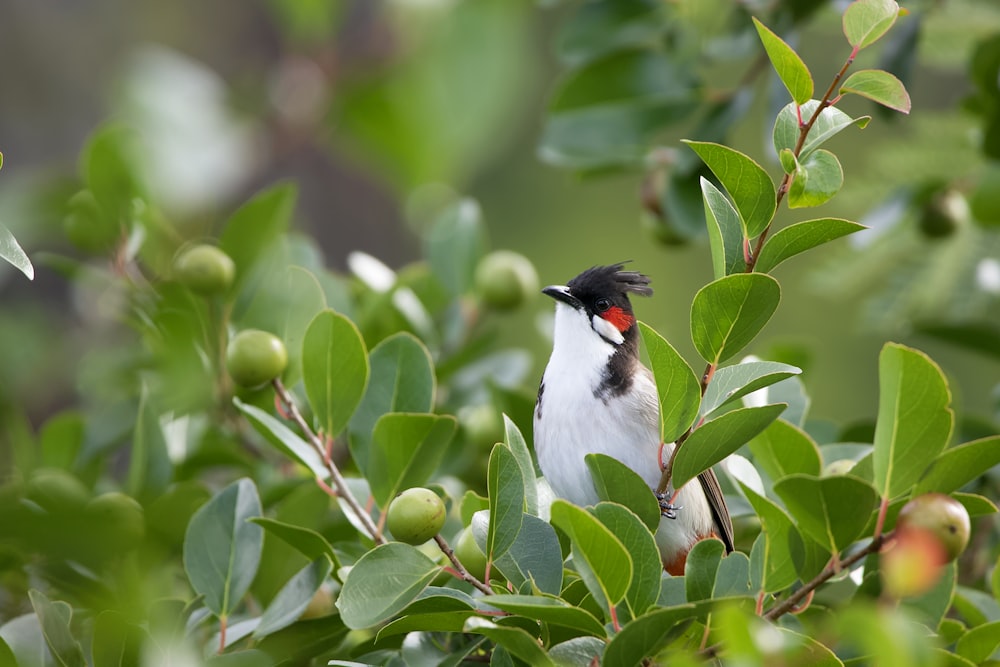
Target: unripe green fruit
<point>204,269</point>
<point>470,555</point>
<point>87,227</point>
<point>119,519</point>
<point>255,357</point>
<point>505,279</point>
<point>416,515</point>
<point>940,515</point>
<point>56,490</point>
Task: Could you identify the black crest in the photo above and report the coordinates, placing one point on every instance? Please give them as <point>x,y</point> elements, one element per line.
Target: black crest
<point>609,281</point>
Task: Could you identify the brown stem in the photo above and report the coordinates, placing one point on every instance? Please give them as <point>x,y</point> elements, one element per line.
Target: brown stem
<point>460,570</point>
<point>339,483</point>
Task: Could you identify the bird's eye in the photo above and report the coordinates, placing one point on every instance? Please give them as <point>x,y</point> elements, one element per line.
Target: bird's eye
<point>603,304</point>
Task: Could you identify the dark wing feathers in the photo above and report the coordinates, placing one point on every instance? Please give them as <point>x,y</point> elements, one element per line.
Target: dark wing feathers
<point>717,503</point>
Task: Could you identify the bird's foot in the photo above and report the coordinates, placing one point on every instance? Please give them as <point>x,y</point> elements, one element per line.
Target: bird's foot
<point>667,508</point>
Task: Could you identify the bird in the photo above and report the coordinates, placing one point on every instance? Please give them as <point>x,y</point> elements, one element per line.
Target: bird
<point>596,396</point>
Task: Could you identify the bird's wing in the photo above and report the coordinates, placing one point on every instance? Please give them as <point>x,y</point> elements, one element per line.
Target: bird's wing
<point>717,503</point>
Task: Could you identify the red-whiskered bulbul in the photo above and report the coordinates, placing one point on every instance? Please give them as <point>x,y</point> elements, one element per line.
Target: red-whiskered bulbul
<point>596,396</point>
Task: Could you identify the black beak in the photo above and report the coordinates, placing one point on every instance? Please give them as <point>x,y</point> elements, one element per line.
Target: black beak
<point>561,293</point>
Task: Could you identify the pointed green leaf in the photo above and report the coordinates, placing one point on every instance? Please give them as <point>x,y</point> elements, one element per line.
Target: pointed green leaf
<point>534,561</point>
<point>865,21</point>
<point>701,569</point>
<point>516,640</point>
<point>957,466</point>
<point>789,163</point>
<point>777,570</point>
<point>714,440</point>
<point>54,618</point>
<point>733,382</point>
<point>550,610</point>
<point>401,379</point>
<point>617,483</point>
<point>878,86</point>
<point>914,418</point>
<point>725,231</point>
<point>980,642</point>
<point>817,179</point>
<point>383,582</point>
<point>601,559</point>
<point>519,448</point>
<point>638,540</point>
<point>783,449</point>
<point>222,547</point>
<point>729,313</point>
<point>733,577</point>
<point>455,243</point>
<point>117,642</point>
<point>406,450</point>
<point>789,66</point>
<point>647,635</point>
<point>11,251</point>
<point>293,598</point>
<point>831,510</point>
<point>677,386</point>
<point>150,469</point>
<point>800,237</point>
<point>335,370</point>
<point>283,438</point>
<point>975,504</point>
<point>831,121</point>
<point>746,182</point>
<point>256,225</point>
<point>307,542</point>
<point>506,493</point>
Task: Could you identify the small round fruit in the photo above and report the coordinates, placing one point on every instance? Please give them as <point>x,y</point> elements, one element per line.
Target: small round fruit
<point>505,279</point>
<point>255,357</point>
<point>205,269</point>
<point>416,515</point>
<point>940,515</point>
<point>470,555</point>
<point>119,518</point>
<point>912,564</point>
<point>56,490</point>
<point>86,226</point>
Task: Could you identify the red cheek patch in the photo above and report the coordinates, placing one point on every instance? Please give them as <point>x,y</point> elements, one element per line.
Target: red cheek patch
<point>619,318</point>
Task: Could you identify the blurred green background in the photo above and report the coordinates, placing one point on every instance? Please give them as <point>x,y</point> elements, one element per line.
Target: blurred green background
<point>381,111</point>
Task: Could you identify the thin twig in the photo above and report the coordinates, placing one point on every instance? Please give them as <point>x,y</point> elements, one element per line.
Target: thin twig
<point>460,570</point>
<point>339,483</point>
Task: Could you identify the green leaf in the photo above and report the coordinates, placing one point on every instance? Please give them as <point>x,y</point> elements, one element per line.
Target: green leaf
<point>222,547</point>
<point>616,482</point>
<point>830,122</point>
<point>746,182</point>
<point>789,66</point>
<point>150,469</point>
<point>117,642</point>
<point>428,621</point>
<point>733,382</point>
<point>957,466</point>
<point>517,641</point>
<point>401,379</point>
<point>701,569</point>
<point>107,164</point>
<point>980,642</point>
<point>725,231</point>
<point>519,448</point>
<point>638,540</point>
<point>729,313</point>
<point>406,450</point>
<point>307,542</point>
<point>293,598</point>
<point>383,582</point>
<point>455,245</point>
<point>800,237</point>
<point>865,21</point>
<point>534,560</point>
<point>677,386</point>
<point>11,251</point>
<point>976,505</point>
<point>506,493</point>
<point>831,510</point>
<point>777,569</point>
<point>550,610</point>
<point>283,438</point>
<point>647,635</point>
<point>594,29</point>
<point>783,449</point>
<point>335,370</point>
<point>914,418</point>
<point>714,440</point>
<point>817,179</point>
<point>54,618</point>
<point>733,577</point>
<point>878,86</point>
<point>255,226</point>
<point>789,163</point>
<point>601,559</point>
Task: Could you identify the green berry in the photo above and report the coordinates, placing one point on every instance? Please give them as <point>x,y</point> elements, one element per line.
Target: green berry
<point>56,490</point>
<point>472,558</point>
<point>416,515</point>
<point>255,357</point>
<point>118,519</point>
<point>205,269</point>
<point>505,279</point>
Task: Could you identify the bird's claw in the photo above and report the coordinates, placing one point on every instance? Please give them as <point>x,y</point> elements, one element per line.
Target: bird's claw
<point>667,508</point>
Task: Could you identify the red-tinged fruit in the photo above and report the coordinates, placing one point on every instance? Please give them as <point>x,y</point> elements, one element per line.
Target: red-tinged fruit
<point>940,515</point>
<point>912,563</point>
